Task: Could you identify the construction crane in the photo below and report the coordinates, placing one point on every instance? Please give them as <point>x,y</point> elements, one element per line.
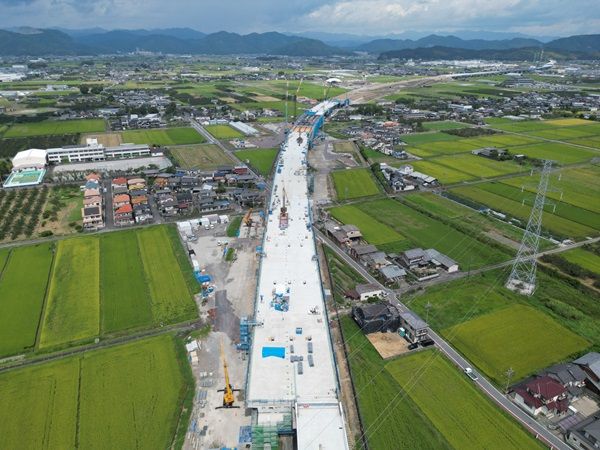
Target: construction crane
<point>296,98</point>
<point>283,213</point>
<point>248,218</point>
<point>228,397</point>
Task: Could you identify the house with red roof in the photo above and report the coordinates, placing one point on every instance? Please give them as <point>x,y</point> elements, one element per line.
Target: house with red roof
<point>541,395</point>
<point>124,215</point>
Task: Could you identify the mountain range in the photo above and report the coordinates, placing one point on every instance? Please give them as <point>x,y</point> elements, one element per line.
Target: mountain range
<point>41,42</point>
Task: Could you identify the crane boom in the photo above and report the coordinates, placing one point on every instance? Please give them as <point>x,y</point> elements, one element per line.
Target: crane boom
<point>228,397</point>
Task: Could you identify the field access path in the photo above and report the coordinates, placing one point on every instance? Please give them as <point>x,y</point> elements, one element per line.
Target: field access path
<point>112,342</point>
<point>541,433</point>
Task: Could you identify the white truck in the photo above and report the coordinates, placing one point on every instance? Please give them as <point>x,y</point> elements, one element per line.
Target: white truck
<point>471,374</point>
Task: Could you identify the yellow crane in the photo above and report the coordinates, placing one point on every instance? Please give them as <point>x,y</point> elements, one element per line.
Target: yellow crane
<point>228,397</point>
<point>248,218</point>
<point>296,98</point>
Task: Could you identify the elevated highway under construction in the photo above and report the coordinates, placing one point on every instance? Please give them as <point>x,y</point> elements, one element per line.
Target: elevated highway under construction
<point>292,375</point>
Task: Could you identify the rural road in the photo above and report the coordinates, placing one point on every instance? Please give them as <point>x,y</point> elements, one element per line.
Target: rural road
<point>488,388</point>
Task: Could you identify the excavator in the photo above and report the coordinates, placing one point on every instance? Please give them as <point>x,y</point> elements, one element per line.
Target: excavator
<point>228,397</point>
<point>248,218</point>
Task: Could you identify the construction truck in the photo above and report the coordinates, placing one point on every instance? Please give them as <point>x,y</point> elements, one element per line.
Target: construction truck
<point>228,396</point>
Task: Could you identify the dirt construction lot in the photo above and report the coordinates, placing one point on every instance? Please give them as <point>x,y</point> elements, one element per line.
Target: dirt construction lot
<point>388,345</point>
<point>233,297</point>
<point>106,139</point>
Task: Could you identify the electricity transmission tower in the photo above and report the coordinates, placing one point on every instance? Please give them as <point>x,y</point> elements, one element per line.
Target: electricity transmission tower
<point>522,276</point>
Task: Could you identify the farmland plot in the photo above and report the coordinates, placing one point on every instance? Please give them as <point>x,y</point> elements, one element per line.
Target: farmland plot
<point>22,291</point>
<point>73,305</point>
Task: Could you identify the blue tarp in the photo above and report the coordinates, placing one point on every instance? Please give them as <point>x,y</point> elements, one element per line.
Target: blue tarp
<point>278,352</point>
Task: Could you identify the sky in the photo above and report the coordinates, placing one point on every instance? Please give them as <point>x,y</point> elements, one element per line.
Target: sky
<point>361,17</point>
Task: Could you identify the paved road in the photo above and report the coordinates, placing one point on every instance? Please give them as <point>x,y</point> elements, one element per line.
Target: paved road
<point>200,129</point>
<point>490,390</point>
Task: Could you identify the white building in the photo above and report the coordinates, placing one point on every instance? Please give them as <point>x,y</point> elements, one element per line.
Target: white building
<point>127,151</point>
<point>30,159</point>
<point>93,151</point>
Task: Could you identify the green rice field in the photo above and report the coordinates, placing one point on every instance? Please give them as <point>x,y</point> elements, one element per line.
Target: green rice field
<point>224,132</point>
<point>354,183</point>
<point>373,230</point>
<point>444,125</point>
<point>485,321</point>
<point>164,136</point>
<point>468,419</point>
<point>261,159</point>
<point>48,127</point>
<point>479,166</point>
<point>169,290</point>
<point>399,402</point>
<point>402,426</point>
<point>120,272</point>
<point>128,396</point>
<point>204,157</point>
<point>583,258</point>
<point>73,307</point>
<point>519,337</point>
<point>22,291</point>
<point>385,222</point>
<point>444,174</point>
<point>99,285</point>
<point>566,220</point>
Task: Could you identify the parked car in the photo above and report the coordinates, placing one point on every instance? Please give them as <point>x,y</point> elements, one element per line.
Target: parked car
<point>427,342</point>
<point>413,346</point>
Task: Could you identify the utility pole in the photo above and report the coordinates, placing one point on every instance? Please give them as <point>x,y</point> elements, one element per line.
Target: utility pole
<point>428,306</point>
<point>522,277</point>
<point>509,374</point>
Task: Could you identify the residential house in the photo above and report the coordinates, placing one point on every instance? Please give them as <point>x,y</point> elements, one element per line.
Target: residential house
<point>590,364</point>
<point>124,215</point>
<point>352,232</point>
<point>586,434</point>
<point>92,201</point>
<point>120,200</point>
<point>377,317</point>
<point>139,200</point>
<point>392,273</point>
<point>412,327</point>
<point>374,261</point>
<point>367,291</point>
<point>119,182</point>
<point>541,395</point>
<point>142,213</point>
<point>92,217</point>
<point>413,258</point>
<point>358,251</point>
<point>439,259</point>
<point>570,375</point>
<point>91,193</point>
<point>184,200</point>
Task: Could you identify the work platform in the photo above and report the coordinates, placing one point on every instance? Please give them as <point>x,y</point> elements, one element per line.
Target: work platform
<point>292,368</point>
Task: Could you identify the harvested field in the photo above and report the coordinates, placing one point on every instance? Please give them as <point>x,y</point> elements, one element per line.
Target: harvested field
<point>106,139</point>
<point>388,345</point>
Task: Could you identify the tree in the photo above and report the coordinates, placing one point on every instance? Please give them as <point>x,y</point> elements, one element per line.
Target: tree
<point>84,89</point>
<point>96,89</point>
<point>171,109</point>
